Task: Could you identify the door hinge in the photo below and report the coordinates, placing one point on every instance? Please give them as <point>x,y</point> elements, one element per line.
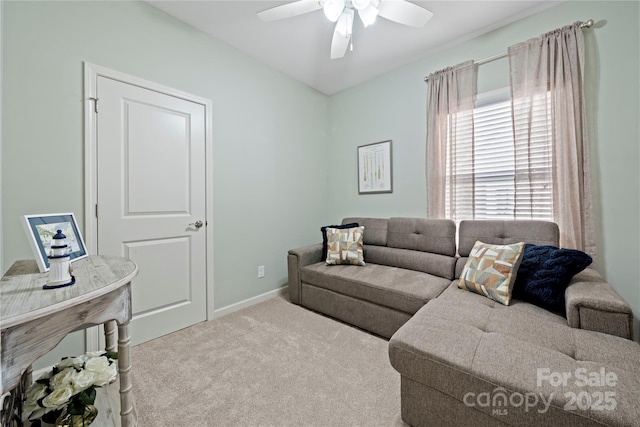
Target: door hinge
<point>95,104</point>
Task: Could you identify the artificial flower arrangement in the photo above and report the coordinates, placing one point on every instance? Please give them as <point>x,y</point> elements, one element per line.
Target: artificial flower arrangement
<point>70,386</point>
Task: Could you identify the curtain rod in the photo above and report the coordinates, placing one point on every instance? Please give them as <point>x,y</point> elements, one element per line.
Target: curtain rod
<point>587,24</point>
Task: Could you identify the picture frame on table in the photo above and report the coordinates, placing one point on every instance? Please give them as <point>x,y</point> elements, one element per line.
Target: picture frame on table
<point>41,228</point>
<point>375,171</point>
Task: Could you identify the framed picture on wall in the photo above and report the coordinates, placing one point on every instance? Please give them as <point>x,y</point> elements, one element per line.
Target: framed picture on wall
<point>375,168</point>
<point>41,228</point>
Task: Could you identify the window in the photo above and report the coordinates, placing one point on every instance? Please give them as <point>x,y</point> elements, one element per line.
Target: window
<point>489,176</point>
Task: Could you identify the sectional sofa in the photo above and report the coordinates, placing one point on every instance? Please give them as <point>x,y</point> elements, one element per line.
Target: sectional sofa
<point>465,359</point>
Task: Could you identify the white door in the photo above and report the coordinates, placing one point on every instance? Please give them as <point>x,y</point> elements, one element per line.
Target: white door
<point>151,201</point>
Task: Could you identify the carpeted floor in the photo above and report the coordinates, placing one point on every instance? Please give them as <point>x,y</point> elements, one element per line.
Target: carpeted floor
<point>272,364</point>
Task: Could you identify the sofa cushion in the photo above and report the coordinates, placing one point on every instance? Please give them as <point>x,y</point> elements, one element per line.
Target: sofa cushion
<point>438,265</point>
<point>465,345</point>
<point>491,270</point>
<point>344,246</point>
<point>436,236</point>
<point>376,233</point>
<point>456,296</point>
<point>397,288</point>
<point>506,233</point>
<point>545,273</point>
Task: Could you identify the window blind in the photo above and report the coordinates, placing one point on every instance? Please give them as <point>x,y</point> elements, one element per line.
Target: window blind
<point>492,175</point>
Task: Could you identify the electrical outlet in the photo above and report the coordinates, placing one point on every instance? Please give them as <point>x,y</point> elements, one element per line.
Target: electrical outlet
<point>260,271</point>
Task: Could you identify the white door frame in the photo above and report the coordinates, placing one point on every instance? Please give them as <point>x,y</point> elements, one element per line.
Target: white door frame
<point>95,339</point>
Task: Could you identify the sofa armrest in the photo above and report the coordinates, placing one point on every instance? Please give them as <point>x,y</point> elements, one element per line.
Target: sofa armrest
<point>296,259</point>
<point>593,304</point>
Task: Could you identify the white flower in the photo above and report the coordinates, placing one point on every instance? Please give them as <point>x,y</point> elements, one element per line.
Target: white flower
<point>75,362</point>
<point>71,362</point>
<point>107,376</point>
<point>74,375</point>
<point>81,380</point>
<point>97,364</point>
<point>104,371</point>
<point>34,393</point>
<point>62,379</point>
<point>58,397</point>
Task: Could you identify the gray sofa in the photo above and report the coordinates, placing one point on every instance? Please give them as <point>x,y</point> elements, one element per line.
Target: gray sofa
<point>463,358</point>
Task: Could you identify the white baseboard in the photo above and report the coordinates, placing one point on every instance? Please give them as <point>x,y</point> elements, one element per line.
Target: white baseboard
<point>249,302</point>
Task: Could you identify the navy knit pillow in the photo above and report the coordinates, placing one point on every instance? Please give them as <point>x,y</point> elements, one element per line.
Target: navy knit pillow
<point>323,230</point>
<point>545,273</point>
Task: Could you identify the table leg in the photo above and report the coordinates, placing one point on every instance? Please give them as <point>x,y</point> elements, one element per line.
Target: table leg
<point>124,369</point>
<point>109,335</point>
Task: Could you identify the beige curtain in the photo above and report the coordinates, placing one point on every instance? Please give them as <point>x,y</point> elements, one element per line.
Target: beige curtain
<point>552,66</point>
<point>450,97</point>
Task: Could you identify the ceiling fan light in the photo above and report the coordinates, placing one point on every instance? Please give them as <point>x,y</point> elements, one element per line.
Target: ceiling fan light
<point>345,23</point>
<point>360,4</point>
<point>368,15</point>
<point>333,9</point>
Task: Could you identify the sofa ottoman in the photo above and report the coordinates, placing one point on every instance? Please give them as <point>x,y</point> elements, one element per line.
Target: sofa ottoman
<point>467,360</point>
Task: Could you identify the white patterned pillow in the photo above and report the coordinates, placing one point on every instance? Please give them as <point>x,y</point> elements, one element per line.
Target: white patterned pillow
<point>491,270</point>
<point>344,246</point>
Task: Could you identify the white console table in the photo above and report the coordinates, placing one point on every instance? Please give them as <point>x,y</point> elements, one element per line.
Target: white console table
<point>34,320</point>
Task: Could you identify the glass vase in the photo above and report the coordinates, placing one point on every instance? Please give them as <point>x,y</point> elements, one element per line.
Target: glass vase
<point>68,420</point>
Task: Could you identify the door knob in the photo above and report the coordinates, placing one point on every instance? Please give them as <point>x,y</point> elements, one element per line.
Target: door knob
<point>197,224</point>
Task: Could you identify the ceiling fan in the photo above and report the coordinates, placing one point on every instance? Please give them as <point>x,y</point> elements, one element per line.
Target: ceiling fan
<point>342,12</point>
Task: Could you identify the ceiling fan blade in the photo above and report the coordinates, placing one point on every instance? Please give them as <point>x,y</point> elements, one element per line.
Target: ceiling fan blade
<point>289,10</point>
<point>339,43</point>
<point>404,12</point>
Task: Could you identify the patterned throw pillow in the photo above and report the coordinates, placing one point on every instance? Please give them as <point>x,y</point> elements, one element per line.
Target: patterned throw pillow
<point>344,246</point>
<point>545,273</point>
<point>323,230</point>
<point>491,270</point>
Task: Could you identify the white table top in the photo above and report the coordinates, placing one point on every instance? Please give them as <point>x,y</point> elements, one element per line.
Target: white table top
<point>22,297</point>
